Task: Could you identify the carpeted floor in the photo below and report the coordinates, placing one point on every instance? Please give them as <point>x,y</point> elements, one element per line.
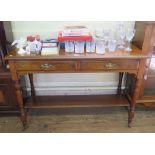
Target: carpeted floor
<point>81,120</point>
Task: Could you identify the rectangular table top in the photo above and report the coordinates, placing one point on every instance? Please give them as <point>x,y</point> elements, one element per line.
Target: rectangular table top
<point>136,53</point>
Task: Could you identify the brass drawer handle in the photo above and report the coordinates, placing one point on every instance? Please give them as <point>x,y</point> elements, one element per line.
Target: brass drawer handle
<point>47,66</point>
<point>110,65</point>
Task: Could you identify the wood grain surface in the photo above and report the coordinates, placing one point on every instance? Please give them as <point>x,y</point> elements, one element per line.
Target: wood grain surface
<point>134,54</point>
<point>82,120</point>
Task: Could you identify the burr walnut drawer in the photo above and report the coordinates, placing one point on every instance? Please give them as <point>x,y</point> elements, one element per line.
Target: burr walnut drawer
<point>54,66</point>
<point>108,65</point>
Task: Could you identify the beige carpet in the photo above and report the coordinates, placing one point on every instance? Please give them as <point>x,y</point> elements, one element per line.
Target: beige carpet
<point>81,120</point>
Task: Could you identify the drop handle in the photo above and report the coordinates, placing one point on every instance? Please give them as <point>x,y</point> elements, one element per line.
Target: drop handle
<point>110,65</point>
<point>47,67</point>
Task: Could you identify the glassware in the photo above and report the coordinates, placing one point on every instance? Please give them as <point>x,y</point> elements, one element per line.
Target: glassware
<point>121,25</point>
<point>99,34</point>
<point>112,45</point>
<point>79,46</point>
<point>90,46</point>
<point>122,37</point>
<point>69,46</point>
<point>121,33</point>
<point>100,46</point>
<point>106,33</point>
<point>129,36</point>
<point>106,36</point>
<point>38,46</point>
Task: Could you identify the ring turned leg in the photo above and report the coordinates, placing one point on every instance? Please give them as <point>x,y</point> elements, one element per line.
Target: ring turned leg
<point>119,90</point>
<point>131,112</point>
<point>32,87</point>
<point>20,103</point>
<point>139,78</point>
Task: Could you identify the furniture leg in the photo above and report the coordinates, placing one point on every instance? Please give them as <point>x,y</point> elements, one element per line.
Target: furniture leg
<point>119,90</point>
<point>18,91</point>
<point>32,86</point>
<point>139,79</point>
<point>133,103</point>
<point>20,103</point>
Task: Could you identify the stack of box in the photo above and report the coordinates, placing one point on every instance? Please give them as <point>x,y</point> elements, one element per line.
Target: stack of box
<point>49,47</point>
<point>75,31</point>
<point>74,38</point>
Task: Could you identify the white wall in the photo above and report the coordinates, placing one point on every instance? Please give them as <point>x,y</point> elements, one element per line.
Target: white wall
<point>87,83</point>
<point>50,29</point>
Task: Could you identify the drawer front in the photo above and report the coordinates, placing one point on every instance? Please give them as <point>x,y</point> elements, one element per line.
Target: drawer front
<point>108,65</point>
<point>54,66</point>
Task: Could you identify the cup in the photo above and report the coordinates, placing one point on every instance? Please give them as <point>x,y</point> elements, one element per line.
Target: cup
<point>69,46</point>
<point>79,46</point>
<point>100,47</point>
<point>90,46</point>
<point>112,45</point>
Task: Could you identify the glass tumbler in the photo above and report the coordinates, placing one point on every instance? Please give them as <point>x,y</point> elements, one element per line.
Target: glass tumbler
<point>79,46</point>
<point>112,45</point>
<point>100,47</point>
<point>69,46</point>
<point>90,46</point>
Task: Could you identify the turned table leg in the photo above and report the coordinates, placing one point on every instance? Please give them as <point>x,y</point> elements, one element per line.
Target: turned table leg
<point>139,78</point>
<point>19,95</point>
<point>119,90</point>
<point>32,86</point>
<point>20,103</point>
<point>133,104</point>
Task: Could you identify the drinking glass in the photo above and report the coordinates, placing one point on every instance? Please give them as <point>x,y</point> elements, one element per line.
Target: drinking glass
<point>99,34</point>
<point>121,35</point>
<point>121,25</point>
<point>90,46</point>
<point>79,46</point>
<point>100,46</point>
<point>106,36</point>
<point>112,45</point>
<point>129,36</point>
<point>69,46</point>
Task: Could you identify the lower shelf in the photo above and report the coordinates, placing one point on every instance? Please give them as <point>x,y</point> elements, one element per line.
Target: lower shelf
<point>8,110</point>
<point>77,101</point>
<point>146,99</point>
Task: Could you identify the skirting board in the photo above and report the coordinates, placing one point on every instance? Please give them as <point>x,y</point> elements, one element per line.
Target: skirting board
<point>74,88</point>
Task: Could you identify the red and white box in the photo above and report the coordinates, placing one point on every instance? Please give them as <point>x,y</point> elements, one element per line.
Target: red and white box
<point>74,38</point>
